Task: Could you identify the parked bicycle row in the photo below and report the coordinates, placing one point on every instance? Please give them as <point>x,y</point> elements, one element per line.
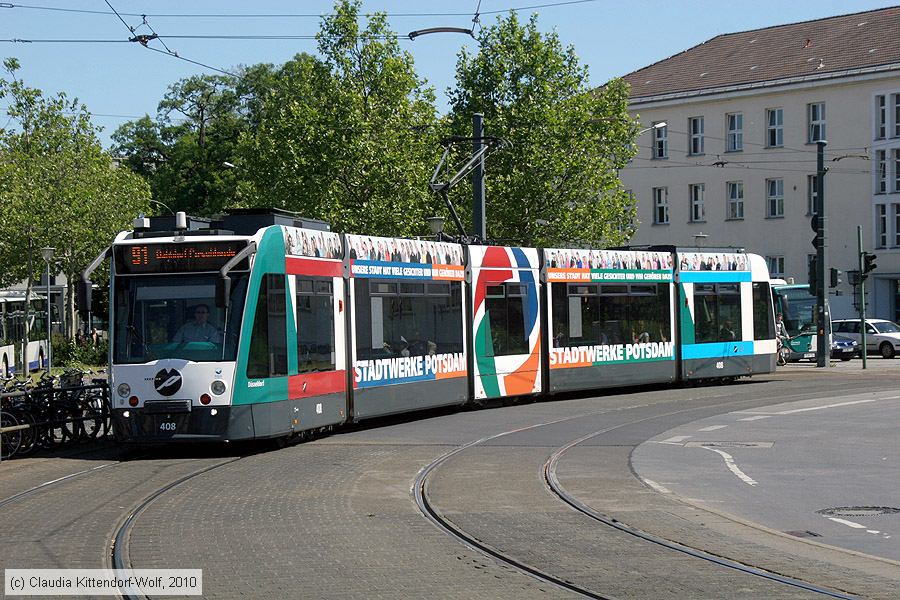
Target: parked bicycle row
<point>50,413</point>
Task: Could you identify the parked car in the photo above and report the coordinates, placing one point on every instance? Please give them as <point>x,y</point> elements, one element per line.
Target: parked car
<point>882,336</point>
<point>843,348</point>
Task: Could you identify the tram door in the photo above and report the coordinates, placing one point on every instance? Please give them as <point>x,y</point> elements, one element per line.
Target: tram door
<point>317,384</point>
<point>506,324</point>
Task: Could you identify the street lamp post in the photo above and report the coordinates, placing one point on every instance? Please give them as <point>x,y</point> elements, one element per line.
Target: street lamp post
<point>47,253</point>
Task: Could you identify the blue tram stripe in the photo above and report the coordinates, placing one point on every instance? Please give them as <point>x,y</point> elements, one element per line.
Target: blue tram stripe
<point>715,276</point>
<point>716,350</point>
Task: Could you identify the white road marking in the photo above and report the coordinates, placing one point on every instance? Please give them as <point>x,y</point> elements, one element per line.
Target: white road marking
<point>659,488</point>
<point>713,427</point>
<point>729,462</point>
<point>756,418</point>
<point>847,523</point>
<point>875,531</point>
<point>676,439</point>
<point>799,410</point>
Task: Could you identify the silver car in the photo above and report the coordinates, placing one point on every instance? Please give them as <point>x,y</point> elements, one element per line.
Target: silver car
<point>882,336</point>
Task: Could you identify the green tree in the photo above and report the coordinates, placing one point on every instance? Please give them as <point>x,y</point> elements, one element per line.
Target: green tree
<point>557,181</point>
<point>59,188</point>
<point>349,137</point>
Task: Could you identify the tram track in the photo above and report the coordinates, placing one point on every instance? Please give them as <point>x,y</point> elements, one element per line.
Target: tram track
<point>550,480</point>
<point>118,544</point>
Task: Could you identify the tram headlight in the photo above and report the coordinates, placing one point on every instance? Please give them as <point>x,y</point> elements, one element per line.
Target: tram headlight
<point>217,387</point>
<point>123,390</point>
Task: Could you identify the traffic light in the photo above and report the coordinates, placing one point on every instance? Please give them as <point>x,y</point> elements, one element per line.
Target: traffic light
<point>814,224</point>
<point>812,275</point>
<point>835,277</point>
<point>868,264</point>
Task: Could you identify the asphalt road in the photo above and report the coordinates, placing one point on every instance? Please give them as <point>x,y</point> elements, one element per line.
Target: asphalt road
<point>335,518</point>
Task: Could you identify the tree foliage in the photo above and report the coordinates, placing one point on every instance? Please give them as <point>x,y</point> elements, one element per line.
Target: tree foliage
<point>557,179</point>
<point>347,137</point>
<point>59,188</point>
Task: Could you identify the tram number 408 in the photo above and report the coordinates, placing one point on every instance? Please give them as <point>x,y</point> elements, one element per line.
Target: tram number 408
<point>720,364</point>
<point>167,426</point>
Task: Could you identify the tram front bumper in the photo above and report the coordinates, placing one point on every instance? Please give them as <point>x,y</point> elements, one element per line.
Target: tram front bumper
<point>201,423</point>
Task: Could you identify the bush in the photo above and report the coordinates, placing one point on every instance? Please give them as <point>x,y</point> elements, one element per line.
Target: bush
<point>71,354</point>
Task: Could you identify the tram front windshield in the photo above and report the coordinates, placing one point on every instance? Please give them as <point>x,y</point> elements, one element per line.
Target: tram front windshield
<point>175,316</point>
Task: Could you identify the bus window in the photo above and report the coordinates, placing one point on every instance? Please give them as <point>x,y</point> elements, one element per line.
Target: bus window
<point>763,325</point>
<point>400,318</point>
<point>315,325</point>
<point>268,339</point>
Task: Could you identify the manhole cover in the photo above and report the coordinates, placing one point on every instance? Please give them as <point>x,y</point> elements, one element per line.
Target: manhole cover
<point>729,444</point>
<point>858,511</point>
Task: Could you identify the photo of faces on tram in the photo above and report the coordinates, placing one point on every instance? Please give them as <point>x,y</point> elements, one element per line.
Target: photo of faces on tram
<point>407,251</point>
<point>311,242</point>
<point>607,259</point>
<point>711,261</point>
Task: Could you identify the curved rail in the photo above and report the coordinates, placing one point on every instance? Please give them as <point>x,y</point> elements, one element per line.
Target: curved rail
<point>549,474</point>
<point>118,553</point>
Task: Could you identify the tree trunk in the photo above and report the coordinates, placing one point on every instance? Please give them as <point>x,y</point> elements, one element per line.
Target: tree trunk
<point>70,306</point>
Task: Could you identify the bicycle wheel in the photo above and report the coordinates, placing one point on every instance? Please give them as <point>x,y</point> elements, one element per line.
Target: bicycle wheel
<point>9,441</point>
<point>91,425</point>
<point>29,441</point>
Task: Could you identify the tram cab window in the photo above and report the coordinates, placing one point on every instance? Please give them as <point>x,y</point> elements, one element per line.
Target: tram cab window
<point>505,313</point>
<point>588,314</point>
<point>403,318</point>
<point>314,304</point>
<point>268,339</point>
<point>763,321</point>
<point>717,312</point>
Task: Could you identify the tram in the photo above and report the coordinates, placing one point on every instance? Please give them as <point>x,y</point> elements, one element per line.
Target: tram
<point>264,325</point>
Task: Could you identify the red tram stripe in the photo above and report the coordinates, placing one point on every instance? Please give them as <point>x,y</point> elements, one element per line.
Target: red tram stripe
<point>316,384</point>
<point>313,267</point>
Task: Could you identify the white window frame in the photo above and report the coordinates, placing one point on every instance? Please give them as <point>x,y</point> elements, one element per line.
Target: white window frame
<point>895,211</point>
<point>880,116</point>
<point>896,115</point>
<point>660,197</point>
<point>734,136</point>
<point>696,192</point>
<point>815,116</point>
<point>881,226</point>
<point>880,171</point>
<point>775,198</point>
<point>776,266</point>
<point>812,194</point>
<point>776,127</point>
<point>695,136</point>
<point>660,141</point>
<point>896,170</point>
<point>734,194</point>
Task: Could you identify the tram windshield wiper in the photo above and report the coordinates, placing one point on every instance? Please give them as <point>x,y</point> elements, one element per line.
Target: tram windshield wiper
<point>147,351</point>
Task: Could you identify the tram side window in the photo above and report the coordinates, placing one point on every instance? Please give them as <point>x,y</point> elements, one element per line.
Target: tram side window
<point>763,323</point>
<point>268,340</point>
<point>505,312</point>
<point>717,312</point>
<point>407,318</point>
<point>588,314</point>
<point>315,325</point>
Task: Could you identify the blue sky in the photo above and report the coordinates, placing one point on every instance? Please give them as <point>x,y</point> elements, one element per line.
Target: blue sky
<point>118,81</point>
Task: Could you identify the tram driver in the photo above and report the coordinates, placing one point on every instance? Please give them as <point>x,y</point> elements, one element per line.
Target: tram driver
<point>200,329</point>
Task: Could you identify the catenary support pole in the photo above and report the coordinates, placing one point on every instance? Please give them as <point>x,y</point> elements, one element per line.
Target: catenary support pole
<point>862,298</point>
<point>479,222</point>
<point>823,321</point>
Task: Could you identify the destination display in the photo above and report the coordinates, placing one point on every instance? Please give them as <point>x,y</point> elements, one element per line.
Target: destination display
<point>185,257</point>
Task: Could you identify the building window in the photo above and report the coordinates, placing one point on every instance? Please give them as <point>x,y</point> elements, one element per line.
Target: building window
<point>897,169</point>
<point>735,191</point>
<point>776,266</point>
<point>881,225</point>
<point>774,198</point>
<point>895,209</point>
<point>880,117</point>
<point>816,116</point>
<point>695,192</point>
<point>896,115</point>
<point>775,127</point>
<point>695,128</point>
<point>661,206</point>
<point>812,194</point>
<point>660,141</point>
<point>734,139</point>
<point>880,172</point>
